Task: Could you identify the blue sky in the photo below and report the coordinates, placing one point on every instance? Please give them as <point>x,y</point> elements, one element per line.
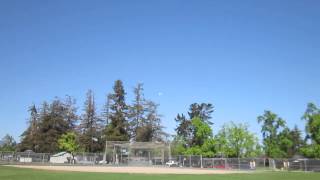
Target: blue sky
<point>242,56</point>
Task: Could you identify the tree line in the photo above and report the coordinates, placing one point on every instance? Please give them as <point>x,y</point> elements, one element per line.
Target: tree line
<point>56,126</point>
<point>56,123</point>
<point>195,135</point>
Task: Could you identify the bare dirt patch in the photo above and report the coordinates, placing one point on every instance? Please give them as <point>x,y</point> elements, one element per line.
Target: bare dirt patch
<point>137,170</point>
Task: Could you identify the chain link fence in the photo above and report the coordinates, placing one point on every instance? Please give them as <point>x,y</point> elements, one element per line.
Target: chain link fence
<point>183,161</point>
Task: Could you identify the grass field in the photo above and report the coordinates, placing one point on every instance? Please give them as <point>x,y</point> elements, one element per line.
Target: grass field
<point>12,173</point>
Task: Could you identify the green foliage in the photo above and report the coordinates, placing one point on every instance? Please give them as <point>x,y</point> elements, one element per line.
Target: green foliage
<point>279,141</point>
<point>48,125</point>
<point>29,136</point>
<point>311,151</point>
<point>271,126</point>
<point>235,140</point>
<point>178,146</point>
<point>117,129</point>
<point>203,111</point>
<point>312,118</point>
<point>202,131</point>
<point>139,131</point>
<point>68,142</point>
<point>202,141</point>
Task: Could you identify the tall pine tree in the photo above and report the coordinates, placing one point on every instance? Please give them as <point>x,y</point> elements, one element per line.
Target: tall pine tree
<point>117,129</point>
<point>90,128</point>
<point>137,115</point>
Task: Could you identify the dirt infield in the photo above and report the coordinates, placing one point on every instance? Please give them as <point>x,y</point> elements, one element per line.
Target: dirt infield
<point>139,170</point>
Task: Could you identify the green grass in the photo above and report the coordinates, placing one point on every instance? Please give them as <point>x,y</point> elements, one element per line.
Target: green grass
<point>10,173</point>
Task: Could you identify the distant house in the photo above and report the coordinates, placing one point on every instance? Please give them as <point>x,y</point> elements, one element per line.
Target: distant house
<point>62,157</point>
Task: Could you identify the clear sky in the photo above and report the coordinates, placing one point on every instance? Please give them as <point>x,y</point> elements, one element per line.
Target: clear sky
<point>242,56</point>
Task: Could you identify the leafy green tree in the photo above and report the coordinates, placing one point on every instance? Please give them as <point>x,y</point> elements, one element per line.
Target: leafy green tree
<point>186,128</point>
<point>290,141</point>
<point>178,146</point>
<point>271,126</point>
<point>235,140</point>
<point>117,129</point>
<point>312,118</point>
<point>202,131</point>
<point>203,142</point>
<point>68,142</point>
<point>8,143</point>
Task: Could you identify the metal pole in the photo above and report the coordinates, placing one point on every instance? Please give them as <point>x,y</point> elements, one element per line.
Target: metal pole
<point>105,153</point>
<point>190,161</point>
<point>113,154</point>
<point>201,161</point>
<point>169,151</point>
<point>305,165</point>
<point>212,162</point>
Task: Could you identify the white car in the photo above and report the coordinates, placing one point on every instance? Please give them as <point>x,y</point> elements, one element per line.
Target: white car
<point>171,164</point>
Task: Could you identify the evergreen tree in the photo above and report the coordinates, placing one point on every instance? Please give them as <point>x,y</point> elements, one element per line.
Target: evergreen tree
<point>29,137</point>
<point>51,126</point>
<point>203,111</point>
<point>106,109</point>
<point>184,129</point>
<point>297,140</point>
<point>137,117</point>
<point>90,126</point>
<point>117,129</point>
<point>290,141</point>
<point>153,123</point>
<point>70,112</point>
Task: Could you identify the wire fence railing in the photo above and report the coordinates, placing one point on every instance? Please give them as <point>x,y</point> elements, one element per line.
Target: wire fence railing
<point>181,161</point>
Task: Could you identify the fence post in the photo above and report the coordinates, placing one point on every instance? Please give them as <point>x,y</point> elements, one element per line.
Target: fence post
<point>212,162</point>
<point>201,161</point>
<point>190,161</point>
<point>305,165</point>
<point>13,157</point>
